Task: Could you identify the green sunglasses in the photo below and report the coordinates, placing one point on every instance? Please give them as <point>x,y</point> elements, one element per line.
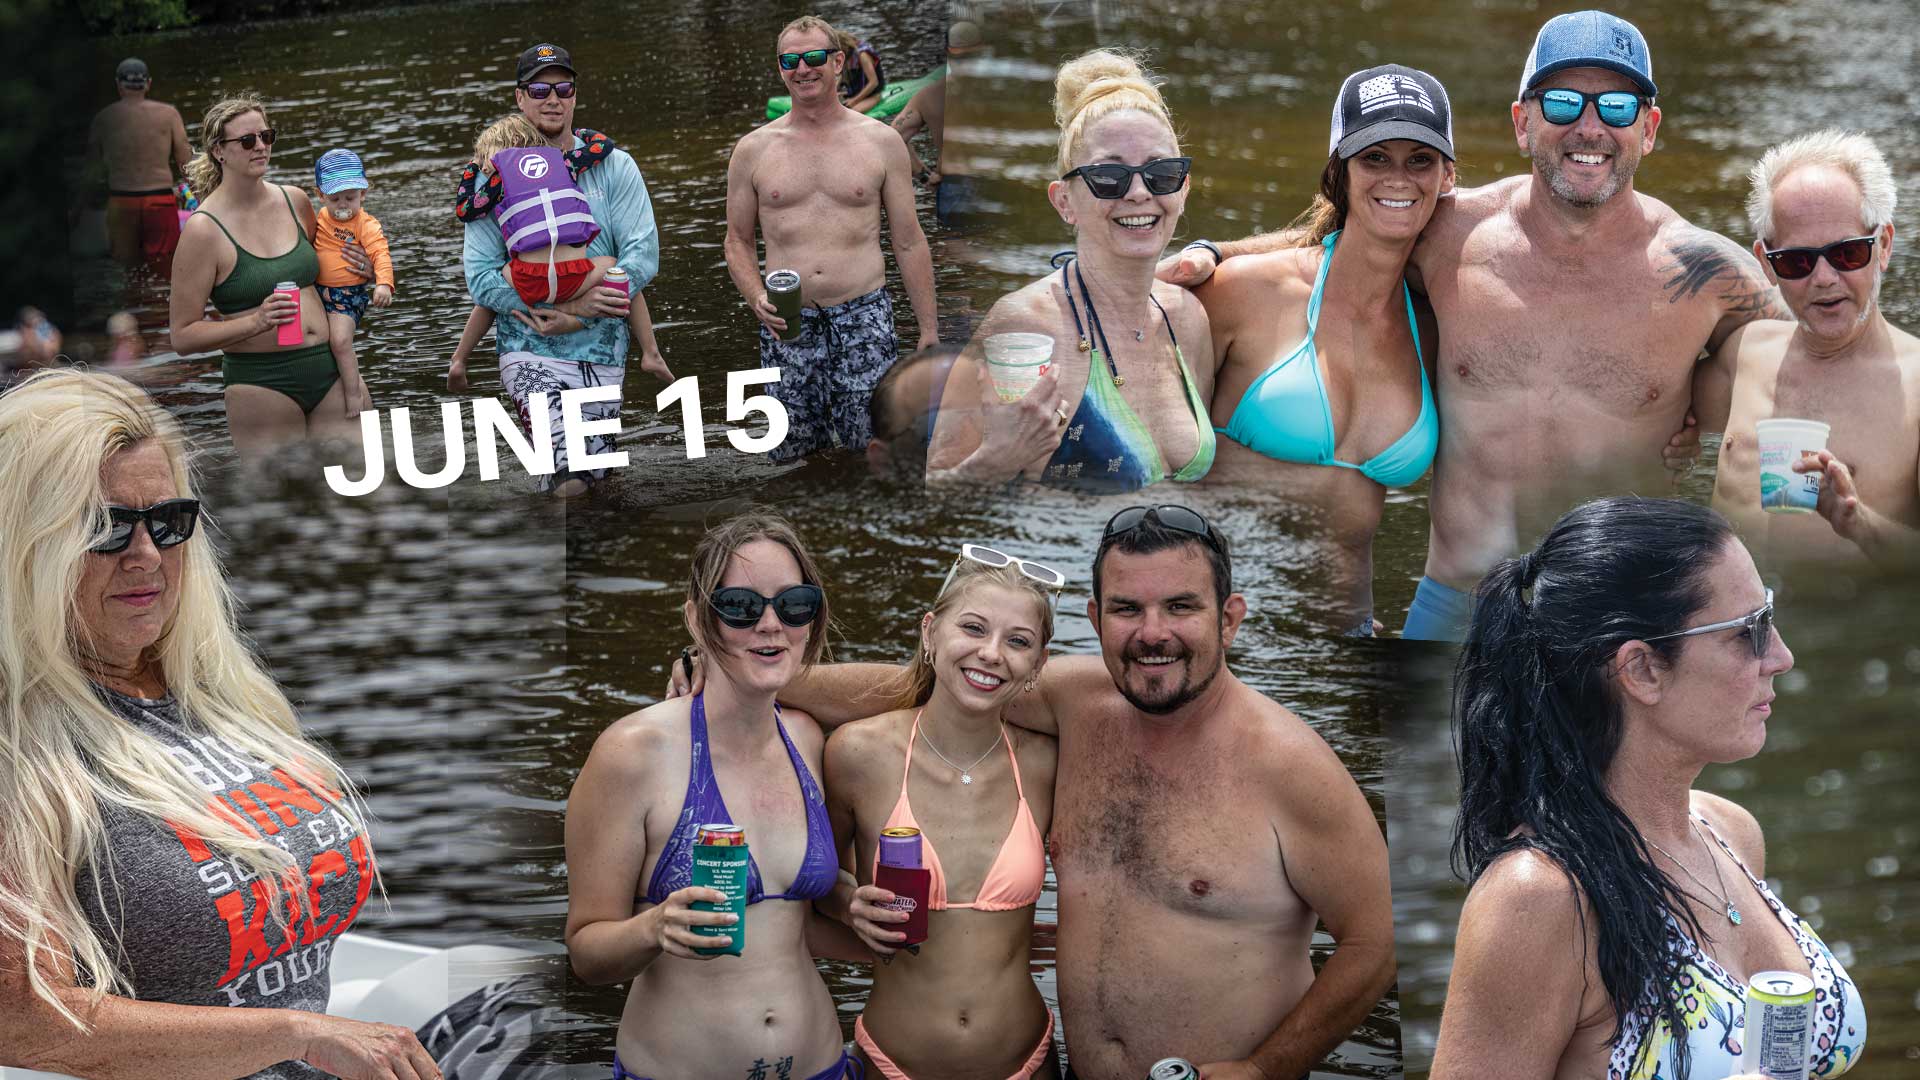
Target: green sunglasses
<point>814,58</point>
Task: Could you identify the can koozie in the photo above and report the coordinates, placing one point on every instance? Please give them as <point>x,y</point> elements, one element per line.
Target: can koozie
<point>723,868</point>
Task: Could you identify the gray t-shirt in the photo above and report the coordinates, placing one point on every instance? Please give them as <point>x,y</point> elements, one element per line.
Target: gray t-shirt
<point>192,927</point>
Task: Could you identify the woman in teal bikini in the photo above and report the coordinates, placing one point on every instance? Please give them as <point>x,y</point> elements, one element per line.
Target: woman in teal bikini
<point>1323,395</point>
<point>1119,409</point>
<point>275,393</point>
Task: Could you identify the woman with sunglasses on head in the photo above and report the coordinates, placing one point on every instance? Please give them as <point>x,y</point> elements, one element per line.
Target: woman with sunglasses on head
<point>176,859</point>
<point>1323,395</point>
<point>1616,913</point>
<point>1119,408</point>
<point>981,794</point>
<point>281,386</point>
<point>728,754</point>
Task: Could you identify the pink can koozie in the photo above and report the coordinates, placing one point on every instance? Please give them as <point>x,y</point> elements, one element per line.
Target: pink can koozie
<point>289,332</point>
<point>618,279</point>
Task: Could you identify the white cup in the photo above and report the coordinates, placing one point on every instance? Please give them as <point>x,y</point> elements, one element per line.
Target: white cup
<point>1784,441</point>
<point>1016,362</point>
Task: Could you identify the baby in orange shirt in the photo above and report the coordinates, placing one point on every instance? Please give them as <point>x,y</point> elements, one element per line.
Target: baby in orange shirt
<point>342,183</point>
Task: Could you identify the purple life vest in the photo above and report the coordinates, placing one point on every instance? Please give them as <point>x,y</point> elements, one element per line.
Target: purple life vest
<point>540,206</point>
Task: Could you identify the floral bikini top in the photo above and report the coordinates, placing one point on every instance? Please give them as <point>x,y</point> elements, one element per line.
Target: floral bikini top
<point>1715,1006</point>
<point>475,199</point>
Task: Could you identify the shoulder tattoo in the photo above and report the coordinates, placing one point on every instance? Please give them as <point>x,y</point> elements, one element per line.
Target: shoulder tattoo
<point>1708,261</point>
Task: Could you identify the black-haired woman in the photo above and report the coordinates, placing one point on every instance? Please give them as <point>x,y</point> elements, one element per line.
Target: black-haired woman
<point>1616,914</point>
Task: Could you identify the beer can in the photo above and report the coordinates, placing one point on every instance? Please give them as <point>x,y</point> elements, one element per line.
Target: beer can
<point>723,835</point>
<point>783,290</point>
<point>900,846</point>
<point>1173,1069</point>
<point>288,333</point>
<point>1779,1035</point>
<point>721,861</point>
<point>618,279</point>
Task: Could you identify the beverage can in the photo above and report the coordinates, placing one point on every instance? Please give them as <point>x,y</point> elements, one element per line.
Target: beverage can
<point>900,846</point>
<point>722,835</point>
<point>783,291</point>
<point>900,872</point>
<point>618,279</point>
<point>288,333</point>
<point>722,864</point>
<point>1173,1068</point>
<point>1779,1029</point>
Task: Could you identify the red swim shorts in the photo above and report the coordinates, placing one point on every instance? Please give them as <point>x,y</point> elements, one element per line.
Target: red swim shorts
<point>530,279</point>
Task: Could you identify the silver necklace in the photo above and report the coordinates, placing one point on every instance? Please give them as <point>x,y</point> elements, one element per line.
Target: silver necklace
<point>1733,913</point>
<point>966,774</point>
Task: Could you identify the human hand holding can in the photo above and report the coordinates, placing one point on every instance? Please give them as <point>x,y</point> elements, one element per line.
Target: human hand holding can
<point>720,862</point>
<point>900,872</point>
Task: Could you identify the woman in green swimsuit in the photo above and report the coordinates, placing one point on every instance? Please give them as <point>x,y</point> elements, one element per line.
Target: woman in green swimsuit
<point>276,394</point>
<point>1119,409</point>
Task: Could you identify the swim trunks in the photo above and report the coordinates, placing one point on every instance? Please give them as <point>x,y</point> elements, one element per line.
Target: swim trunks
<point>885,1067</point>
<point>828,373</point>
<point>1438,613</point>
<point>346,299</point>
<point>144,226</point>
<point>526,374</point>
<point>304,374</point>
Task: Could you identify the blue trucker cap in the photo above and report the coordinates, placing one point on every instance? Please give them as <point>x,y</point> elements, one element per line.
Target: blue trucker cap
<point>1590,39</point>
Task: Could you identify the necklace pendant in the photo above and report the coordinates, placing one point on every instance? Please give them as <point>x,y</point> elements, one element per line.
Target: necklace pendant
<point>1119,380</point>
<point>1085,345</point>
<point>1733,914</point>
<point>967,778</point>
<point>1139,335</point>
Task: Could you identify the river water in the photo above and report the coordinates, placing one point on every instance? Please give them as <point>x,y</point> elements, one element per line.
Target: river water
<point>463,648</point>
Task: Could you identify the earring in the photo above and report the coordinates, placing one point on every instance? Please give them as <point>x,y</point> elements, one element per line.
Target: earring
<point>928,653</point>
<point>1029,688</point>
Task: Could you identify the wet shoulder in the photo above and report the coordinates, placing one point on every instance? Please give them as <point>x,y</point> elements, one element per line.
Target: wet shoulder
<point>1736,825</point>
<point>1527,897</point>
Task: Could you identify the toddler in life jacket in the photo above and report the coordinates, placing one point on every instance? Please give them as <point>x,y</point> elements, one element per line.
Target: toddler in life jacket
<point>529,189</point>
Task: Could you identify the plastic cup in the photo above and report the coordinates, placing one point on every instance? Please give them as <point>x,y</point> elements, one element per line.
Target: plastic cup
<point>1784,441</point>
<point>1016,361</point>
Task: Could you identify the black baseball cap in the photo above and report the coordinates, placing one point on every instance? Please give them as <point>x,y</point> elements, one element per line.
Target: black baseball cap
<point>132,72</point>
<point>542,56</point>
<point>1391,101</point>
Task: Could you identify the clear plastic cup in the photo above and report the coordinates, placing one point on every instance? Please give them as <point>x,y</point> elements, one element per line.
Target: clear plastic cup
<point>1783,441</point>
<point>1016,361</point>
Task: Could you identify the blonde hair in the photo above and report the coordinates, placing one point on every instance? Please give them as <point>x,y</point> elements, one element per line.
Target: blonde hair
<point>64,755</point>
<point>203,172</point>
<point>1103,82</point>
<point>716,550</point>
<point>915,685</point>
<point>512,130</point>
<point>812,22</point>
<point>1848,151</point>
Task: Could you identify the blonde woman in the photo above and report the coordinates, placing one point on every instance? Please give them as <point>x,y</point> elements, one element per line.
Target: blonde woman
<point>1120,409</point>
<point>248,236</point>
<point>981,794</point>
<point>177,859</point>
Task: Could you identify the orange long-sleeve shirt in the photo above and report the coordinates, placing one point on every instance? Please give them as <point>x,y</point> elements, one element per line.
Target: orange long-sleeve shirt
<point>332,237</point>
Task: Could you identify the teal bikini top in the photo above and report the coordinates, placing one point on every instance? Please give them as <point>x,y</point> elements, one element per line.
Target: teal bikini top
<point>1285,414</point>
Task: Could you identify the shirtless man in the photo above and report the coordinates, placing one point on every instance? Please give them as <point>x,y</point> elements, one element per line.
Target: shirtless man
<point>824,223</point>
<point>1200,829</point>
<point>142,145</point>
<point>1822,210</point>
<point>1572,310</point>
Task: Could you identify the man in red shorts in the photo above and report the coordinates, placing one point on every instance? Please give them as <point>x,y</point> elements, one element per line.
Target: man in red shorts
<point>143,145</point>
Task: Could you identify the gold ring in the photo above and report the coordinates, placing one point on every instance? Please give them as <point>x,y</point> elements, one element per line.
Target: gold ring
<point>1060,415</point>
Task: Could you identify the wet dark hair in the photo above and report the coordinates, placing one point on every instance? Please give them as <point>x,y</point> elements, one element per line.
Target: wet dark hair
<point>1151,536</point>
<point>1537,723</point>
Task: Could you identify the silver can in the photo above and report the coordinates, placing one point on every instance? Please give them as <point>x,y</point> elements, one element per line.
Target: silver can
<point>1173,1069</point>
<point>618,279</point>
<point>1779,1037</point>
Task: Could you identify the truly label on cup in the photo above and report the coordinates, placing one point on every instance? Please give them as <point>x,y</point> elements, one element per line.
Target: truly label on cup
<point>1783,441</point>
<point>1016,361</point>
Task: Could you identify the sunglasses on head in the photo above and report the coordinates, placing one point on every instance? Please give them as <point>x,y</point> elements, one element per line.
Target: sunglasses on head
<point>538,91</point>
<point>814,58</point>
<point>1177,518</point>
<point>1112,180</point>
<point>248,140</point>
<point>1758,627</point>
<point>1792,264</point>
<point>740,608</point>
<point>986,556</point>
<point>1616,108</point>
<point>169,523</point>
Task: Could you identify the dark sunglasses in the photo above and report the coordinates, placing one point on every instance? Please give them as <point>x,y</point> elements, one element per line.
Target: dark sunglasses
<point>538,91</point>
<point>1792,264</point>
<point>1178,518</point>
<point>1758,627</point>
<point>1616,108</point>
<point>1111,180</point>
<point>740,608</point>
<point>169,523</point>
<point>248,140</point>
<point>814,58</point>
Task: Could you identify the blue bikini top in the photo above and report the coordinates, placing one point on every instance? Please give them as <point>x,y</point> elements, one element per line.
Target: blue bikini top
<point>1285,414</point>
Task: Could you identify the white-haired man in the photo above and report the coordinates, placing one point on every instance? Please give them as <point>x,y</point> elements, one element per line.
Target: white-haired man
<point>1822,212</point>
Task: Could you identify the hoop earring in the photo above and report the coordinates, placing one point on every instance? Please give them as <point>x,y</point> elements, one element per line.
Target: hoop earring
<point>1029,688</point>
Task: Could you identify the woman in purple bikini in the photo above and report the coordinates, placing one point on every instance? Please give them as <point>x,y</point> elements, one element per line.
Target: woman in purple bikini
<point>729,754</point>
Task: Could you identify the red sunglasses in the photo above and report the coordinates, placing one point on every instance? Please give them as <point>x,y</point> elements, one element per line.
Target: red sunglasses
<point>1792,264</point>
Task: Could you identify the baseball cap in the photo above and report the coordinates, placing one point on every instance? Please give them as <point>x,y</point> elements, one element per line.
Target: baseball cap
<point>339,170</point>
<point>963,37</point>
<point>131,72</point>
<point>1590,39</point>
<point>1391,101</point>
<point>540,56</point>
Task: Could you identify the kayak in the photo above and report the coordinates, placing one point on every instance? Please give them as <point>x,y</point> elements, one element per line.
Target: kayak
<point>390,982</point>
<point>893,96</point>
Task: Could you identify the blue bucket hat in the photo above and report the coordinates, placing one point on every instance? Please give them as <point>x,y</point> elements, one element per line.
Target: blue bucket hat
<point>1589,39</point>
<point>339,170</point>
